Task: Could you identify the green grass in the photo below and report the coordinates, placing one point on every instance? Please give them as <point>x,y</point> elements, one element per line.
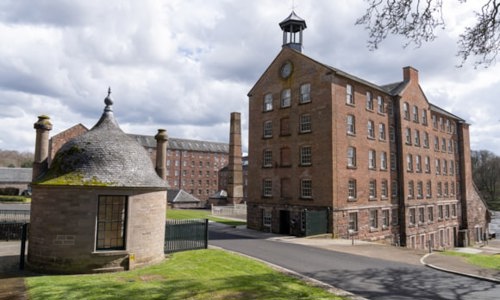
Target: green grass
<point>183,214</point>
<point>481,260</point>
<point>4,198</point>
<point>200,274</point>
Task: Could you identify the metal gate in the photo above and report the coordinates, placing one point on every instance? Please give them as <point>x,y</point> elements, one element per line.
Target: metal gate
<point>316,222</point>
<point>183,235</point>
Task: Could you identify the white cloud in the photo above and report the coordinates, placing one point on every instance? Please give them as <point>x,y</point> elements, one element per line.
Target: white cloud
<point>185,65</point>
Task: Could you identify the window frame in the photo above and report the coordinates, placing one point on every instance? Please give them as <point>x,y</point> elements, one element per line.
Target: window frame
<point>286,98</point>
<point>118,221</point>
<point>268,102</point>
<point>305,96</point>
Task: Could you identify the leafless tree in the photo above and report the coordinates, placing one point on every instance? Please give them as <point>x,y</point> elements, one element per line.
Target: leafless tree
<point>418,20</point>
<point>486,174</point>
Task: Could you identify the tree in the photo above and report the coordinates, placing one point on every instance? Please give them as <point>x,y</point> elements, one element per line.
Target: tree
<point>418,20</point>
<point>486,174</point>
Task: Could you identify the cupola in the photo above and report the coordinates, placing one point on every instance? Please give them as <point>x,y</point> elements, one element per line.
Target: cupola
<point>292,28</point>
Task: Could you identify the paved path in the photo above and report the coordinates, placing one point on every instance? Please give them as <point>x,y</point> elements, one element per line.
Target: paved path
<point>11,279</point>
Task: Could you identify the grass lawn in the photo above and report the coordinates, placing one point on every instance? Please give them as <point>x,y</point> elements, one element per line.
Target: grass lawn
<point>484,261</point>
<point>4,198</point>
<point>182,214</point>
<point>200,274</point>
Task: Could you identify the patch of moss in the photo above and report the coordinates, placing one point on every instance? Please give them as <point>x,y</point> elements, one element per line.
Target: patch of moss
<point>75,178</point>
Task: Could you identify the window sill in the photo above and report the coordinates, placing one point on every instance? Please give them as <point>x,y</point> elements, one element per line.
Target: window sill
<point>267,137</point>
<point>350,104</point>
<point>110,252</point>
<point>353,134</point>
<point>269,110</point>
<point>352,199</point>
<point>352,167</point>
<point>304,102</point>
<point>306,198</point>
<point>372,199</point>
<point>305,132</point>
<point>371,138</point>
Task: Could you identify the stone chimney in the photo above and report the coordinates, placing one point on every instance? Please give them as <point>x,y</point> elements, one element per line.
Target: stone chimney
<point>410,74</point>
<point>161,153</point>
<point>235,168</point>
<point>40,164</point>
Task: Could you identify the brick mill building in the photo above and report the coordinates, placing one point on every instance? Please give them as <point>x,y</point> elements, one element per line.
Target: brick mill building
<point>381,161</point>
<point>191,165</point>
<point>99,205</point>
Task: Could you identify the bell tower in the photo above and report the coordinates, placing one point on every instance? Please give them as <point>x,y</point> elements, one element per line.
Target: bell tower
<point>292,28</point>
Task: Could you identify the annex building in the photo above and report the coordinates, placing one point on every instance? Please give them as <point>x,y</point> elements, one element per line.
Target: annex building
<point>381,161</point>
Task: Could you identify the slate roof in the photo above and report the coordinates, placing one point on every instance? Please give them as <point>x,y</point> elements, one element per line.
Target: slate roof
<point>180,196</point>
<point>15,175</point>
<point>149,141</point>
<point>103,156</point>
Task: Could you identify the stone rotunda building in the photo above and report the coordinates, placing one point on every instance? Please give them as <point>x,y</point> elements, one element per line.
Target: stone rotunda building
<point>99,206</point>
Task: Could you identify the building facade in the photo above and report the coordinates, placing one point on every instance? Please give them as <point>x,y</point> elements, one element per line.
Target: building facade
<point>381,160</point>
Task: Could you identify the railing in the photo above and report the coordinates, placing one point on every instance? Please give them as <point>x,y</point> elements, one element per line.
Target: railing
<point>9,216</point>
<point>181,235</point>
<point>11,231</point>
<point>237,211</point>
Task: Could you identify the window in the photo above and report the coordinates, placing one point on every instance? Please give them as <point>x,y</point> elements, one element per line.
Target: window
<point>353,221</point>
<point>421,215</point>
<point>267,158</point>
<point>440,212</point>
<point>415,114</point>
<point>268,129</point>
<point>408,136</point>
<point>439,189</point>
<point>438,166</point>
<point>285,126</point>
<point>373,219</point>
<point>411,193</point>
<point>286,188</point>
<point>390,108</point>
<point>436,143</point>
<point>268,102</point>
<point>447,211</point>
<point>424,117</point>
<point>371,130</point>
<point>394,188</point>
<point>369,101</point>
<point>446,190</point>
<point>395,216</point>
<point>420,192</point>
<point>306,188</point>
<point>445,167</point>
<point>305,93</point>
<point>372,159</point>
<point>426,140</point>
<point>417,138</point>
<point>454,210</point>
<point>351,157</point>
<point>267,188</point>
<point>383,160</point>
<point>428,189</point>
<point>418,163</point>
<point>393,161</point>
<point>373,189</point>
<point>452,188</point>
<point>352,191</point>
<point>351,124</point>
<point>305,123</point>
<point>383,189</point>
<point>441,123</point>
<point>452,167</point>
<point>381,131</point>
<point>450,146</point>
<point>406,110</point>
<point>434,122</point>
<point>305,155</point>
<point>409,162</point>
<point>286,98</point>
<point>380,104</point>
<point>111,222</point>
<point>285,157</point>
<point>392,134</point>
<point>385,218</point>
<point>412,216</point>
<point>430,214</point>
<point>448,125</point>
<point>267,218</point>
<point>443,145</point>
<point>349,95</point>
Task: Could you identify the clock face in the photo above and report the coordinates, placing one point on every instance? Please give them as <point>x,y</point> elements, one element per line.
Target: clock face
<point>286,69</point>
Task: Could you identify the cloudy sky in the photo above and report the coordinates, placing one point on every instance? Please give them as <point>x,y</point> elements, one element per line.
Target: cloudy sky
<point>186,65</point>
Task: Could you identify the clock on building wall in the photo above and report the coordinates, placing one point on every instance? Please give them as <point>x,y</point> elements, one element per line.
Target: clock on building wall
<point>286,69</point>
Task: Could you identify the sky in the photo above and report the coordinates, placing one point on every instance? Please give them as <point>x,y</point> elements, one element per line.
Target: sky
<point>185,65</point>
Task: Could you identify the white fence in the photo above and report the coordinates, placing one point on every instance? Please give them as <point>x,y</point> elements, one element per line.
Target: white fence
<point>236,211</point>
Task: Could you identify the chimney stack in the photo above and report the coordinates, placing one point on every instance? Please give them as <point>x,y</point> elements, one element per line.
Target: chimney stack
<point>161,153</point>
<point>410,74</point>
<point>235,168</point>
<point>40,164</point>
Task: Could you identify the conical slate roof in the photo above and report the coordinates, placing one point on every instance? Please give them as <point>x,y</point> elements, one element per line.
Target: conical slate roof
<point>103,156</point>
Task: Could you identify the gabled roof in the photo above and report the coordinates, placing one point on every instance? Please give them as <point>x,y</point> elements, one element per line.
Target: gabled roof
<point>180,196</point>
<point>15,175</point>
<point>183,144</point>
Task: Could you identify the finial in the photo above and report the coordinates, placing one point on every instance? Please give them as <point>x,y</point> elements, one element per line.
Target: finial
<point>108,101</point>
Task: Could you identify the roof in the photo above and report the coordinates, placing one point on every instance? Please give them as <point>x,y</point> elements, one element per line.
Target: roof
<point>180,196</point>
<point>296,23</point>
<point>439,110</point>
<point>149,141</point>
<point>13,175</point>
<point>103,156</point>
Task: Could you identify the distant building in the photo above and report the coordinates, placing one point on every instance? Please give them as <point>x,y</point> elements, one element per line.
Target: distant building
<point>380,161</point>
<point>15,179</point>
<point>191,165</point>
<point>224,174</point>
<point>181,199</point>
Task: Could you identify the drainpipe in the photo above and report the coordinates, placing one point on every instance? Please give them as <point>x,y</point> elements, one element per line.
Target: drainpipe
<point>42,126</point>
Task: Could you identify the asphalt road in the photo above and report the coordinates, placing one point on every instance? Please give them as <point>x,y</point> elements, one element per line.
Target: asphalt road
<point>368,277</point>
